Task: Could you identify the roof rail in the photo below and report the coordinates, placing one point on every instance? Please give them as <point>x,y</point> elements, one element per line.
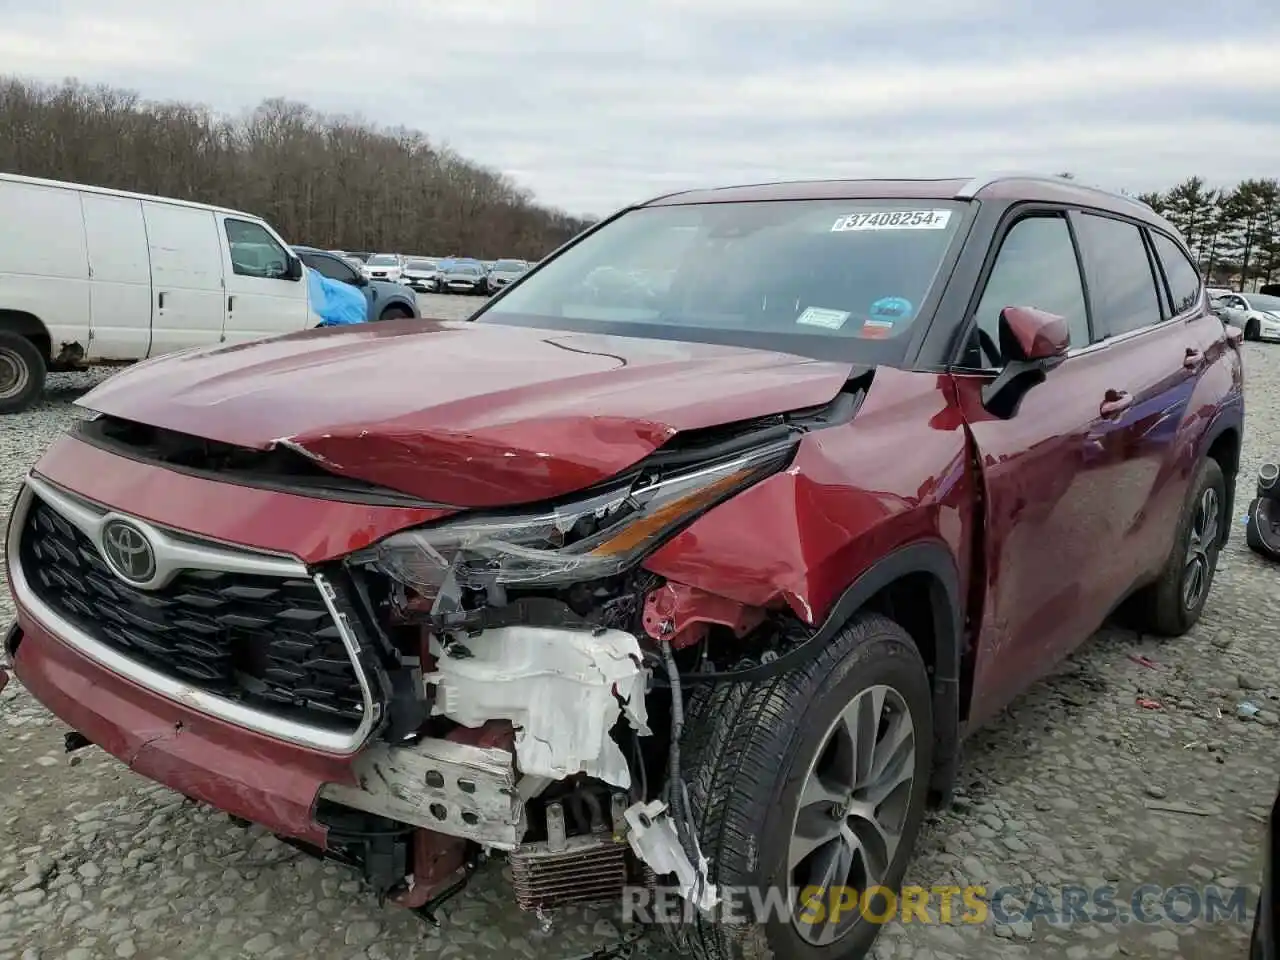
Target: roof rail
<point>977,184</point>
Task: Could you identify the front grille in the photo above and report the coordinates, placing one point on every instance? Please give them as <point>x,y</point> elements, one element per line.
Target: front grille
<point>265,642</point>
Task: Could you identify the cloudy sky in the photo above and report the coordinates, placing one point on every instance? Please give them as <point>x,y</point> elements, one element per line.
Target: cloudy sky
<point>592,103</point>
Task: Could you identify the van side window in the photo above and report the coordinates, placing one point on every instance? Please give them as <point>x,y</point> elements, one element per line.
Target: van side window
<point>1183,277</point>
<point>1121,284</point>
<point>254,252</point>
<point>1036,267</point>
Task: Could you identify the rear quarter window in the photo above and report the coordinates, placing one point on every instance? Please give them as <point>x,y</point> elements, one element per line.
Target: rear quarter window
<point>1180,273</point>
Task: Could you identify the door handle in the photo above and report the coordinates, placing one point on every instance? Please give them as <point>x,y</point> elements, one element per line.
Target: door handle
<point>160,301</point>
<point>231,304</point>
<point>1115,401</point>
<point>1193,358</point>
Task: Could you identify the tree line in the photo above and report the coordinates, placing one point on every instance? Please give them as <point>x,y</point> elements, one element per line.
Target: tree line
<point>1234,232</point>
<point>334,182</point>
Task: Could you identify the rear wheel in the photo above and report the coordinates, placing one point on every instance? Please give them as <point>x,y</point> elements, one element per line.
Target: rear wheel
<point>22,372</point>
<point>810,788</point>
<point>1172,605</point>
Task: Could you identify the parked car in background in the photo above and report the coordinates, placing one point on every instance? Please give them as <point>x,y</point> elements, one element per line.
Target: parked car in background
<point>98,276</point>
<point>385,266</point>
<point>505,272</point>
<point>387,299</point>
<point>464,276</point>
<point>421,274</point>
<point>1257,314</point>
<point>823,507</point>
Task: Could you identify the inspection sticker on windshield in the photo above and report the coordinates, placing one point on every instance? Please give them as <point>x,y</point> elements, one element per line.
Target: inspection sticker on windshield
<point>894,220</point>
<point>820,317</point>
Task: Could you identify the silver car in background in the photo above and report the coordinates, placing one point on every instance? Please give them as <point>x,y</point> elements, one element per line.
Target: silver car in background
<point>385,266</point>
<point>506,272</point>
<point>422,275</point>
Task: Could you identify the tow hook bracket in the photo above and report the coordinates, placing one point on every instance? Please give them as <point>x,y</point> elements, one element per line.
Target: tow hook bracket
<point>653,837</point>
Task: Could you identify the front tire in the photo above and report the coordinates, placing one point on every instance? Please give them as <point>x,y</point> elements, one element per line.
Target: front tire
<point>22,372</point>
<point>1253,330</point>
<point>768,764</point>
<point>1173,604</point>
<point>395,312</point>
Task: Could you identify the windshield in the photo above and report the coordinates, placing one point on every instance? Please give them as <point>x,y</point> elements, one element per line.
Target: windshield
<point>471,268</point>
<point>816,277</point>
<point>510,265</point>
<point>421,265</point>
<point>1260,301</point>
<point>383,260</point>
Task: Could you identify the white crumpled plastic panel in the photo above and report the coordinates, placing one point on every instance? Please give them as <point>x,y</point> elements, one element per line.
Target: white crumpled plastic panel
<point>557,687</point>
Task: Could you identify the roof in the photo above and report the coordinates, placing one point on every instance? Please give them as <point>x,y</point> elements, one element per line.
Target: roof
<point>997,186</point>
<point>107,191</point>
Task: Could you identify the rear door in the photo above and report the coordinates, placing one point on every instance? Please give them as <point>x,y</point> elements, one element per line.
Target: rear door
<point>119,277</point>
<point>261,300</point>
<point>44,268</point>
<point>1157,345</point>
<point>1045,490</point>
<point>186,277</point>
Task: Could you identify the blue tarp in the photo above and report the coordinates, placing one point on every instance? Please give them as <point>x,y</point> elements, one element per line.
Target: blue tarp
<point>334,302</point>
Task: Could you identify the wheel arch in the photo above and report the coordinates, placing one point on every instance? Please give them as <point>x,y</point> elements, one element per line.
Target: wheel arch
<point>30,326</point>
<point>895,585</point>
<point>1222,443</point>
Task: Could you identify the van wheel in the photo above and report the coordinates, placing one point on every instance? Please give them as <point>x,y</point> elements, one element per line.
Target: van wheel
<point>1172,605</point>
<point>395,313</point>
<point>22,372</point>
<point>805,788</point>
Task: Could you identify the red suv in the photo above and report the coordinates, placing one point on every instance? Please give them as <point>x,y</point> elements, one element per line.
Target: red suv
<point>701,548</point>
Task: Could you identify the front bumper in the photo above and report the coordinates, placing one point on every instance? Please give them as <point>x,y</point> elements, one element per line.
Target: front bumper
<point>1269,331</point>
<point>219,752</point>
<point>245,773</point>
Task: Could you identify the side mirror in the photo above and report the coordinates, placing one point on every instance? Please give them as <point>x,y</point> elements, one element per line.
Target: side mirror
<point>360,280</point>
<point>293,269</point>
<point>1032,342</point>
<point>1027,334</point>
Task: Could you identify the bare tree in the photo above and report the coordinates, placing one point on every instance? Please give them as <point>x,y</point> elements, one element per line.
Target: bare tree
<point>332,181</point>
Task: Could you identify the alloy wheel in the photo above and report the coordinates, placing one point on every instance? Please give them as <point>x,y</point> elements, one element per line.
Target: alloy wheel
<point>1202,545</point>
<point>852,810</point>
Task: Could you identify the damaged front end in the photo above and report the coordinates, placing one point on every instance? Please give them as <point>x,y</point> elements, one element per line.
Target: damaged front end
<point>536,705</point>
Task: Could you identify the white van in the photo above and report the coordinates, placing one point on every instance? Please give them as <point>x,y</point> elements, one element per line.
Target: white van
<point>92,276</point>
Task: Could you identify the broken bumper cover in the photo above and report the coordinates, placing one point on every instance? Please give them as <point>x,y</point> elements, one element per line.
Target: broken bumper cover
<point>242,772</point>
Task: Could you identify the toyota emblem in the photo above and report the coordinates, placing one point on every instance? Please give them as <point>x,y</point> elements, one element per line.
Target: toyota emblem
<point>128,551</point>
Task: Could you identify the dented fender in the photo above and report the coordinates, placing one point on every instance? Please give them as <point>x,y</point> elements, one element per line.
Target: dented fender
<point>851,497</point>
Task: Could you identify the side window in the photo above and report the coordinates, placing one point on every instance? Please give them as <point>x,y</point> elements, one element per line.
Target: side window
<point>330,267</point>
<point>1116,265</point>
<point>1183,277</point>
<point>1036,267</point>
<point>254,252</point>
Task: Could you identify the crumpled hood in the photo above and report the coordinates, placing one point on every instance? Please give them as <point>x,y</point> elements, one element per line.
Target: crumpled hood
<point>466,414</point>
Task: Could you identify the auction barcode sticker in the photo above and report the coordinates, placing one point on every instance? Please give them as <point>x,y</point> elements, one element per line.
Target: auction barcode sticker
<point>894,220</point>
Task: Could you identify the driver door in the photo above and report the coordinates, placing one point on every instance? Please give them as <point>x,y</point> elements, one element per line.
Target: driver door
<point>1043,473</point>
<point>262,301</point>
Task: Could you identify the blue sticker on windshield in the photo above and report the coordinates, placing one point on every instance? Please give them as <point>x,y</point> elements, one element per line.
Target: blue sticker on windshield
<point>892,308</point>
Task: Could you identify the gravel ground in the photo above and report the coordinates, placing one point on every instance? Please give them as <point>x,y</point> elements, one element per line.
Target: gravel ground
<point>1058,791</point>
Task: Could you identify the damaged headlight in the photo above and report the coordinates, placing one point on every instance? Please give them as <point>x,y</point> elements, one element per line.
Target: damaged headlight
<point>598,536</point>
